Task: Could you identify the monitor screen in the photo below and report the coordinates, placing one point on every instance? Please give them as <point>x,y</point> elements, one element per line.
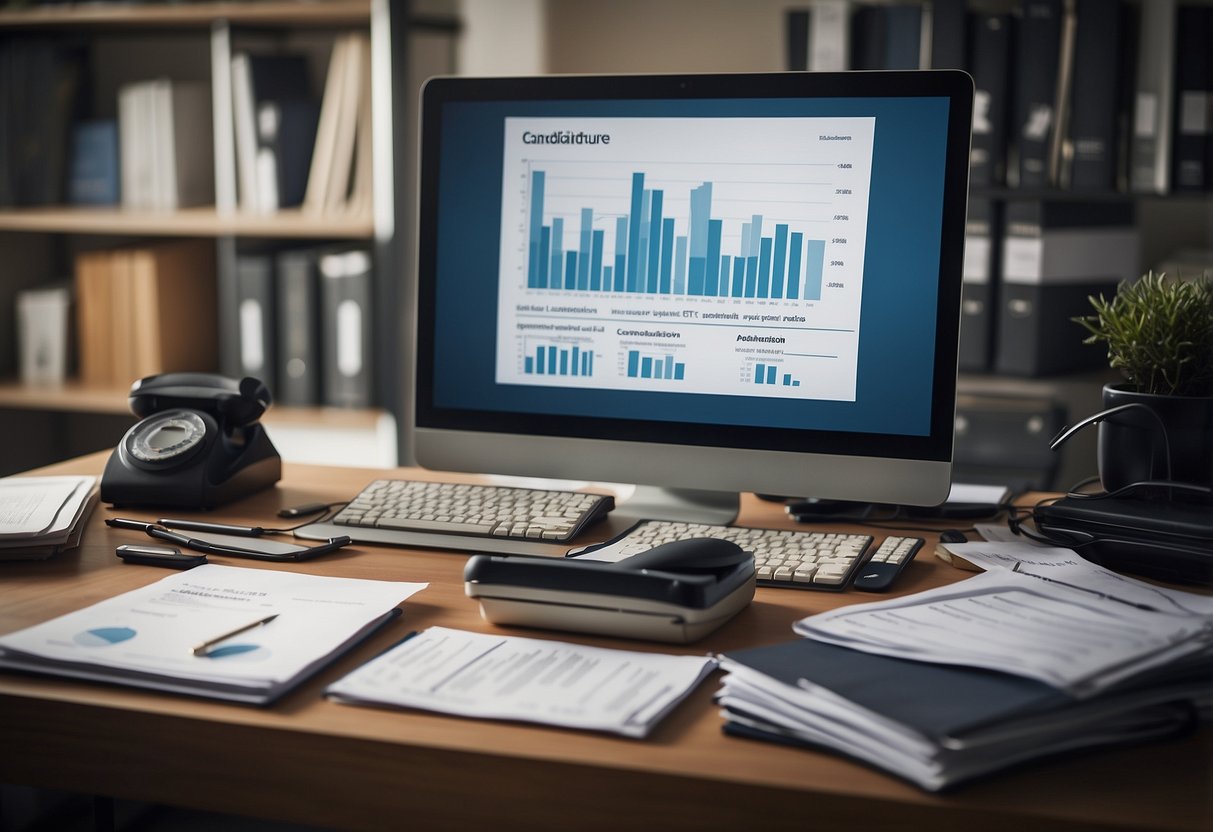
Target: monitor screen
<point>702,283</point>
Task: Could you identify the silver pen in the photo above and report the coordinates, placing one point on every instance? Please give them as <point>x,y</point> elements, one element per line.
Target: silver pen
<point>205,647</point>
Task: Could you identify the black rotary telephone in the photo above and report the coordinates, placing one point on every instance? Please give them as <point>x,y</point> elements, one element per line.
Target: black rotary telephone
<point>199,444</point>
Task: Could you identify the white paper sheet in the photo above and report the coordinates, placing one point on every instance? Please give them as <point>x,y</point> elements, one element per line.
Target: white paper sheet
<point>536,680</point>
<point>1017,622</point>
<point>155,628</point>
<point>39,508</point>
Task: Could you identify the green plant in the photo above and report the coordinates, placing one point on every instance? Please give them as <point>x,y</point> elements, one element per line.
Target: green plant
<point>1159,334</point>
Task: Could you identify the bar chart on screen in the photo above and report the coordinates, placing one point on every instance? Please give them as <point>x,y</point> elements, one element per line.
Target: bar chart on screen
<point>662,238</point>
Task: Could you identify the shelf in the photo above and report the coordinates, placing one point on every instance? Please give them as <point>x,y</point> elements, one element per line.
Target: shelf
<point>74,397</point>
<point>189,222</point>
<point>160,15</point>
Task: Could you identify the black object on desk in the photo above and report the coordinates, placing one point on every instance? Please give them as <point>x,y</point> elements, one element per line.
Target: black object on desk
<point>199,444</point>
<point>1167,540</point>
<point>269,549</point>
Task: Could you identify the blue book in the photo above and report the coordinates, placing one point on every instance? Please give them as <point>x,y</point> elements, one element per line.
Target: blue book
<point>94,167</point>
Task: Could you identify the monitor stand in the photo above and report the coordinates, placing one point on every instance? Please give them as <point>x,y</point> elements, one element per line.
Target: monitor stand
<point>686,505</point>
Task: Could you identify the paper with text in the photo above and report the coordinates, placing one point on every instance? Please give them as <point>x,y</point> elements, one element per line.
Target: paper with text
<point>1015,622</point>
<point>535,680</point>
<point>155,628</point>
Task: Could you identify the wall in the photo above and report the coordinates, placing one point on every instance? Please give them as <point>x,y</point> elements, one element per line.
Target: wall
<point>666,35</point>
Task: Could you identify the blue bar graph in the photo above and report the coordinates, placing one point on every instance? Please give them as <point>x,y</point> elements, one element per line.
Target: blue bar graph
<point>559,360</point>
<point>769,374</point>
<point>654,366</point>
<point>650,256</point>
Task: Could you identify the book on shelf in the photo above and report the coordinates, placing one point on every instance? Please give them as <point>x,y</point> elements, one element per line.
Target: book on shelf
<point>298,339</point>
<point>1150,147</point>
<point>978,291</point>
<point>1091,158</point>
<point>44,329</point>
<point>1055,255</point>
<point>166,140</point>
<point>796,39</point>
<point>1037,85</point>
<point>94,164</point>
<point>247,321</point>
<point>990,67</point>
<point>347,326</point>
<point>275,114</point>
<point>145,310</point>
<point>1193,135</point>
<point>41,96</point>
<point>830,35</point>
<point>339,176</point>
<point>946,26</point>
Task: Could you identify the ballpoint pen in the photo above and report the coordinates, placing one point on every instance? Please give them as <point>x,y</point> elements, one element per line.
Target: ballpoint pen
<point>1134,604</point>
<point>204,648</point>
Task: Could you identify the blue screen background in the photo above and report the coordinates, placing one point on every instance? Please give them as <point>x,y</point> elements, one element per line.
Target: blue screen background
<point>900,283</point>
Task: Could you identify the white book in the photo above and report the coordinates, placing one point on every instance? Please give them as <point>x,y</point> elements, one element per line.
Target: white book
<point>246,132</point>
<point>191,145</point>
<point>222,115</point>
<point>830,36</point>
<point>341,173</point>
<point>326,130</point>
<point>135,154</point>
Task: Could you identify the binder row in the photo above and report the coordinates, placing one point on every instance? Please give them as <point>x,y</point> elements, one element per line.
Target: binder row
<point>256,136</point>
<point>1030,268</point>
<point>300,319</point>
<point>1082,95</point>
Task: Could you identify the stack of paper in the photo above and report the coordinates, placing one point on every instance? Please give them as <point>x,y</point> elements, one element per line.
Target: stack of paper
<point>43,516</point>
<point>504,677</point>
<point>147,637</point>
<point>1042,654</point>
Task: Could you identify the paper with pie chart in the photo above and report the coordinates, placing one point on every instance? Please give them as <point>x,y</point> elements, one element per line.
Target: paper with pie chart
<point>148,635</point>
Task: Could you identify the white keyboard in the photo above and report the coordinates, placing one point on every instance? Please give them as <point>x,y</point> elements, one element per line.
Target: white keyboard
<point>800,560</point>
<point>483,511</point>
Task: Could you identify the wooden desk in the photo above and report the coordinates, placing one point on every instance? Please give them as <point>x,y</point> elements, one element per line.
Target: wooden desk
<point>311,761</point>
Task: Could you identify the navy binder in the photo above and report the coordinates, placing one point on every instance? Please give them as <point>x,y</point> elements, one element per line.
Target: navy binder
<point>299,339</point>
<point>348,314</point>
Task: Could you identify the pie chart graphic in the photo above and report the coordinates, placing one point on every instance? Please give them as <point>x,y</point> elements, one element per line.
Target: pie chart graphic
<point>104,636</point>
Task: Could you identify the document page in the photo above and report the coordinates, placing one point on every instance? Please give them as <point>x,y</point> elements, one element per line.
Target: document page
<point>535,680</point>
<point>155,629</point>
<point>1015,622</point>
<point>31,507</point>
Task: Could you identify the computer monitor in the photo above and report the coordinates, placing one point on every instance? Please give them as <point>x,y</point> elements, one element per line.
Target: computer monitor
<point>699,284</point>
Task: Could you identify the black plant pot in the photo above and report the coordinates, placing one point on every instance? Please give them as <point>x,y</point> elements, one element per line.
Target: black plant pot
<point>1131,446</point>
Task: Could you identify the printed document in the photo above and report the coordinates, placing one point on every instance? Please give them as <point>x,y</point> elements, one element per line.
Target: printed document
<point>535,680</point>
<point>1055,618</point>
<point>146,637</point>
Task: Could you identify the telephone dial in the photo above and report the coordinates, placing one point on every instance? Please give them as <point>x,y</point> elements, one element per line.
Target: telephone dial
<point>199,444</point>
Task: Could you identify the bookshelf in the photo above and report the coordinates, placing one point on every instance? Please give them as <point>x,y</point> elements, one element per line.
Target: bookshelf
<point>122,43</point>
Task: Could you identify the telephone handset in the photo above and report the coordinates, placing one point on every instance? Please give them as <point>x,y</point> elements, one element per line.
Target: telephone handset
<point>199,444</point>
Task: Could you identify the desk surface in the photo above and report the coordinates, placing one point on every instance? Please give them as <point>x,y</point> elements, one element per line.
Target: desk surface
<point>312,761</point>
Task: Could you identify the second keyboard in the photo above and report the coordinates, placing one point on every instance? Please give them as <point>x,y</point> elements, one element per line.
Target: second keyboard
<point>796,559</point>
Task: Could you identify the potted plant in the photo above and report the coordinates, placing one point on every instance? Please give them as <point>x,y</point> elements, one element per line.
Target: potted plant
<point>1158,424</point>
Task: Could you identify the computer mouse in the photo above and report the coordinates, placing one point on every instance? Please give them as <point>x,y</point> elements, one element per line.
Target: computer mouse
<point>694,554</point>
<point>952,536</point>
